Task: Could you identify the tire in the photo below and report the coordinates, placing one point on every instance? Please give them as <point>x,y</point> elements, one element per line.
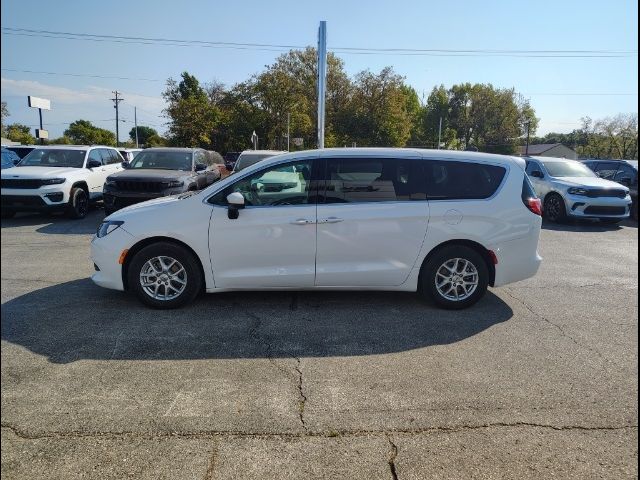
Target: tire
<point>433,270</point>
<point>147,259</point>
<point>8,214</point>
<point>555,209</point>
<point>78,203</point>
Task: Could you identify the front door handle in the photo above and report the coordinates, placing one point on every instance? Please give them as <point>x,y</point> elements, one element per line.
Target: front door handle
<point>302,221</point>
<point>332,220</point>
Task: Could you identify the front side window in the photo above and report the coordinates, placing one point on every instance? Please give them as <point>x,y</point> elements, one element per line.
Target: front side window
<point>447,180</point>
<point>285,184</point>
<point>163,160</point>
<point>42,157</point>
<point>626,172</point>
<point>351,180</point>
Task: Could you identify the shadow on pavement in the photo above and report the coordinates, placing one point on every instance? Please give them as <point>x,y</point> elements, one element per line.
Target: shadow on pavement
<point>588,226</point>
<point>58,223</point>
<point>77,320</point>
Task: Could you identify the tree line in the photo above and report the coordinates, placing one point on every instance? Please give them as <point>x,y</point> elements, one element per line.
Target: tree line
<point>369,109</point>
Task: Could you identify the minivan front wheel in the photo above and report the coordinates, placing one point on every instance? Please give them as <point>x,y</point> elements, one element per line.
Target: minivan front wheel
<point>165,275</point>
<point>455,277</point>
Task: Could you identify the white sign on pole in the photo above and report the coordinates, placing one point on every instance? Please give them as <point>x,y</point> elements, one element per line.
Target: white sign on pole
<point>40,133</point>
<point>41,103</point>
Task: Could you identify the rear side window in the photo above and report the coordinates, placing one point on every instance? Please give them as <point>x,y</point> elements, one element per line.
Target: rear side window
<point>447,180</point>
<point>528,191</point>
<point>359,180</point>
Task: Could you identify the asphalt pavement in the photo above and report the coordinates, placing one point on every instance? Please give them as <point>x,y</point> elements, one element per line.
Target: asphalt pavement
<point>539,380</point>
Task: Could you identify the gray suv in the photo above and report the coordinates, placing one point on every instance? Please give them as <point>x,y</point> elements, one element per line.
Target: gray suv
<point>620,171</point>
<point>568,188</point>
<point>159,172</point>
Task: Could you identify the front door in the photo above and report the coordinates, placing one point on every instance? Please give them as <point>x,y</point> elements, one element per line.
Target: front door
<point>272,243</point>
<point>372,221</point>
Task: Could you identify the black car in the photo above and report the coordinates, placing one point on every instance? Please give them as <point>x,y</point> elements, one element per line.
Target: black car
<point>624,172</point>
<point>159,172</point>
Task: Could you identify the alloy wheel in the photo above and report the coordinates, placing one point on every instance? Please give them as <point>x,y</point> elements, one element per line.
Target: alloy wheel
<point>457,279</point>
<point>163,278</point>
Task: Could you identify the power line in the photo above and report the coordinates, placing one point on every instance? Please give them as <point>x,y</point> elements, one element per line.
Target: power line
<point>83,75</point>
<point>344,50</point>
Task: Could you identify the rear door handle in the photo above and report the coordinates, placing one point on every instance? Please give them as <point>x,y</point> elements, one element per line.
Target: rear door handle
<point>302,221</point>
<point>332,220</point>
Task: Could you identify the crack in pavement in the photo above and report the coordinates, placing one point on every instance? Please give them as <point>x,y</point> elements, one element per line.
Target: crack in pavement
<point>303,398</point>
<point>393,454</point>
<point>558,327</point>
<point>208,475</point>
<point>24,434</point>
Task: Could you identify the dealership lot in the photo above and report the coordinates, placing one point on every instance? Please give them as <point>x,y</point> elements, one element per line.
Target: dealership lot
<point>539,379</point>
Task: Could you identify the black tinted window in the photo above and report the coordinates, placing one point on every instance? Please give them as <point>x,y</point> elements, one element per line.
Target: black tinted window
<point>626,172</point>
<point>461,180</point>
<point>368,180</point>
<point>532,167</point>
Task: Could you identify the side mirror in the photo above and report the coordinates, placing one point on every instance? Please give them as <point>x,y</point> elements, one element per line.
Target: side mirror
<point>236,202</point>
<point>201,167</point>
<point>537,174</point>
<point>93,164</point>
<point>125,164</point>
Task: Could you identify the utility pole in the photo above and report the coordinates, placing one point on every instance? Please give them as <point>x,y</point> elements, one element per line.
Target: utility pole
<point>526,152</point>
<point>135,122</point>
<point>288,129</point>
<point>116,101</point>
<point>439,133</point>
<point>322,80</point>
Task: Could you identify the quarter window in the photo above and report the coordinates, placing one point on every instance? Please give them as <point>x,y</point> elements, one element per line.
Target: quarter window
<point>447,180</point>
<point>279,185</point>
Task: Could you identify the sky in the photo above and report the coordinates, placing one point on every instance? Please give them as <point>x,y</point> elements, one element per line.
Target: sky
<point>561,90</point>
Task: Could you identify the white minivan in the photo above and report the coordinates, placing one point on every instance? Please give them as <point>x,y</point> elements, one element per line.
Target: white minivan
<point>446,224</point>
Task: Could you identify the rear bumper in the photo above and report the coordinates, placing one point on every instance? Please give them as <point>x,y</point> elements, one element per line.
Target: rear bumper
<point>517,259</point>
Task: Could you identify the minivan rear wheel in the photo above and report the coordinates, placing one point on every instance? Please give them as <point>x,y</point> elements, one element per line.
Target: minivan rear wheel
<point>455,277</point>
<point>165,275</point>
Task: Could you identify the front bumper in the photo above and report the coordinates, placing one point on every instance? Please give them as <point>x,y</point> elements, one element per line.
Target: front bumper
<point>46,198</point>
<point>105,253</point>
<point>579,206</point>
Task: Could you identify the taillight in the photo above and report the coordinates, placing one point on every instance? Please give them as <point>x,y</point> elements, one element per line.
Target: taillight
<point>535,205</point>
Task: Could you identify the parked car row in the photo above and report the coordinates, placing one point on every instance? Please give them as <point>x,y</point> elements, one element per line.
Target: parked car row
<point>67,178</point>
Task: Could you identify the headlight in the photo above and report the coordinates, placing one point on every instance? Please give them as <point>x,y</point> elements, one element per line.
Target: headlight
<point>578,191</point>
<point>53,181</point>
<point>174,183</point>
<point>107,227</point>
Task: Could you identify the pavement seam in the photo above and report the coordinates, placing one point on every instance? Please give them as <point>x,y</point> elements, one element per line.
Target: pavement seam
<point>209,474</point>
<point>24,434</point>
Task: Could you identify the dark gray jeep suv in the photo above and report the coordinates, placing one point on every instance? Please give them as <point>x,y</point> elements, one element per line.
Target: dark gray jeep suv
<point>159,172</point>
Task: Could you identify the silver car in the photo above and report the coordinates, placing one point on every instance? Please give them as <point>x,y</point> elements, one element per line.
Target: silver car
<point>568,188</point>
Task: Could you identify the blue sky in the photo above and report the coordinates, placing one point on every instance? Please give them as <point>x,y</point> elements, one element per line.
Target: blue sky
<point>463,25</point>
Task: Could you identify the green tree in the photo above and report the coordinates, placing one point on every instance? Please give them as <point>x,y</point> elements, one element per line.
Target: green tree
<point>83,132</point>
<point>5,114</point>
<point>156,141</point>
<point>192,117</point>
<point>143,134</point>
<point>64,140</point>
<point>17,132</point>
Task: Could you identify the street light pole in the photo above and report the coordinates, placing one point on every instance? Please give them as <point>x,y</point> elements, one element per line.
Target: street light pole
<point>526,152</point>
<point>116,101</point>
<point>135,122</point>
<point>322,80</point>
<point>288,129</point>
<point>439,133</point>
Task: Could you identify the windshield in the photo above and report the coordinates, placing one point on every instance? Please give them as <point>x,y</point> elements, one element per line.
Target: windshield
<point>568,169</point>
<point>247,160</point>
<point>42,157</point>
<point>163,160</point>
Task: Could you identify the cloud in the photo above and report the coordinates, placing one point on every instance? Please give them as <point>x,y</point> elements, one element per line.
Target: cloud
<point>53,93</point>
